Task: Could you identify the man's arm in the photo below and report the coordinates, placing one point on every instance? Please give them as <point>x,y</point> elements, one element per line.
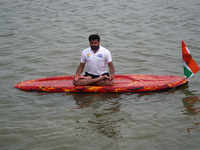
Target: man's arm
<point>79,71</point>
<point>112,70</point>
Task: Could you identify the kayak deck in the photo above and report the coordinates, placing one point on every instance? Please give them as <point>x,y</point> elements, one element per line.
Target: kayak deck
<point>122,83</point>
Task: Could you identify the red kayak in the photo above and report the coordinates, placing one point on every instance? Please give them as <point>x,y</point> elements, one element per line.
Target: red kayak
<point>122,83</point>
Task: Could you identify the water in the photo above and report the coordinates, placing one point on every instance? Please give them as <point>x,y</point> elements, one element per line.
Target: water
<point>45,38</point>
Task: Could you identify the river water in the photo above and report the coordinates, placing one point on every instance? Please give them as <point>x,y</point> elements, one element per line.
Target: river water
<point>45,38</point>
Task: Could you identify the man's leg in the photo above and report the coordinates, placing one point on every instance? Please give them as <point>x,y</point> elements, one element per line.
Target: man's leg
<point>88,80</point>
<point>104,82</point>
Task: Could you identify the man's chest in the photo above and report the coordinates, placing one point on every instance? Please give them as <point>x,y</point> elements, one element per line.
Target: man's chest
<point>97,57</point>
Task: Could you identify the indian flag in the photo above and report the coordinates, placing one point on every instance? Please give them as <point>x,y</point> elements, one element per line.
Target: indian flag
<point>189,65</point>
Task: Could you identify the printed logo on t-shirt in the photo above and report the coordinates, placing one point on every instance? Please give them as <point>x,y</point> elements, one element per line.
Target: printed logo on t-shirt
<point>100,56</point>
<point>88,55</point>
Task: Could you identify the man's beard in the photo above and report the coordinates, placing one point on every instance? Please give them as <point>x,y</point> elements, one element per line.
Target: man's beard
<point>94,48</point>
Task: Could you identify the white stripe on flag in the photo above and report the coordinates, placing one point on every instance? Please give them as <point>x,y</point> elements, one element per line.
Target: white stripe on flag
<point>186,66</point>
<point>189,70</point>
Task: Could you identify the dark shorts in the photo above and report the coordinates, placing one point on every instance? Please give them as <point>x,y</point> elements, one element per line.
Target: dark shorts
<point>95,76</point>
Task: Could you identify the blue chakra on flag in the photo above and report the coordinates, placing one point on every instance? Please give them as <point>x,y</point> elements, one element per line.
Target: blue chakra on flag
<point>100,56</point>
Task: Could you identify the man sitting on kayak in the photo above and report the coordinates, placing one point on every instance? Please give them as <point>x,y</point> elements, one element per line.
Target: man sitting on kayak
<point>96,57</point>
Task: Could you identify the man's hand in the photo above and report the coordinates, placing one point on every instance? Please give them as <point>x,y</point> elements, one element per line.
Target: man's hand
<point>76,77</point>
<point>111,77</point>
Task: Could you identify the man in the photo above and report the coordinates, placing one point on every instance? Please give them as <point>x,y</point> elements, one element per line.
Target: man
<point>96,58</point>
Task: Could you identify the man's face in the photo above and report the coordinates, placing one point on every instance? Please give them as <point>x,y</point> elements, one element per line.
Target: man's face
<point>94,44</point>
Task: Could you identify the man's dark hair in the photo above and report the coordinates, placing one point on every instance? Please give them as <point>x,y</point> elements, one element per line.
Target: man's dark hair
<point>94,37</point>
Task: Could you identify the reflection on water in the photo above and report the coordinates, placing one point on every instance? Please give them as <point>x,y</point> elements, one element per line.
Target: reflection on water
<point>105,108</point>
<point>192,108</point>
<point>86,99</point>
<point>189,103</point>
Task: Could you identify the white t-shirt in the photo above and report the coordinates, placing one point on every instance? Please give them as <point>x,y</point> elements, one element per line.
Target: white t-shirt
<point>96,63</point>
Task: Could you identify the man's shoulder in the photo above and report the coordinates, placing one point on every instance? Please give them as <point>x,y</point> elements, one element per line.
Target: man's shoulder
<point>104,49</point>
<point>87,49</point>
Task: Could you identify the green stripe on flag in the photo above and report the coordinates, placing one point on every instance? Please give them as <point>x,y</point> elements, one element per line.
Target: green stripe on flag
<point>187,72</point>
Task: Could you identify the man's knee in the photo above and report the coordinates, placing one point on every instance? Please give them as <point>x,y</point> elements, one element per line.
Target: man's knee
<point>75,83</point>
<point>110,83</point>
